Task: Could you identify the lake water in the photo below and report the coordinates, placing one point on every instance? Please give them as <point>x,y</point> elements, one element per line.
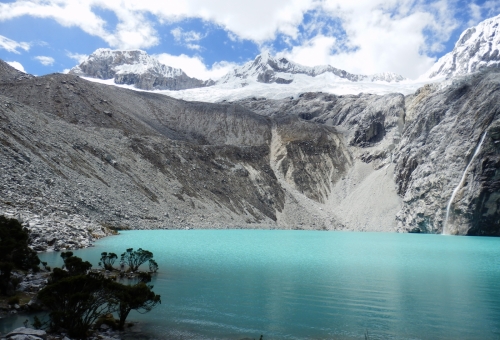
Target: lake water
<point>234,284</point>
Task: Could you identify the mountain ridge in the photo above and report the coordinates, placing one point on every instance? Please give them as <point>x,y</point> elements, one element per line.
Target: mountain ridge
<point>137,68</point>
<point>268,69</point>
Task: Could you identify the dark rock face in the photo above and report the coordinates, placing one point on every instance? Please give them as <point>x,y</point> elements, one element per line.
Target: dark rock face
<point>431,137</point>
<point>365,118</point>
<point>485,208</point>
<point>136,68</point>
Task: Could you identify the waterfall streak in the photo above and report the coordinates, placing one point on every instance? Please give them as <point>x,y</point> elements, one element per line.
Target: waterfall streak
<point>455,191</point>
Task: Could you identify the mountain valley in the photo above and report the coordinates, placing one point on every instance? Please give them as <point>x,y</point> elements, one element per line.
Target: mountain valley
<point>77,151</point>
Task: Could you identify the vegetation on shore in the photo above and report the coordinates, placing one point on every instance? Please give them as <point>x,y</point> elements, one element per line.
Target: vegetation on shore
<point>76,296</point>
<point>14,254</point>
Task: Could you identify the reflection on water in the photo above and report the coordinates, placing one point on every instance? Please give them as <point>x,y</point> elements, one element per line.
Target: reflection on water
<point>302,284</point>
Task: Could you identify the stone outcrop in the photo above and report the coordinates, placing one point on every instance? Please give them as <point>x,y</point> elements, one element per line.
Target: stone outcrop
<point>23,333</point>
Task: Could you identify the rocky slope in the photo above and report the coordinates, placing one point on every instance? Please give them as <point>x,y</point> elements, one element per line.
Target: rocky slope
<point>10,73</point>
<point>477,48</point>
<point>73,150</point>
<point>135,68</point>
<point>423,143</point>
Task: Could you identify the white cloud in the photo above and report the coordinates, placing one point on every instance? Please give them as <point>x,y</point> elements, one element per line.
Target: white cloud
<point>475,14</point>
<point>257,20</point>
<point>187,38</point>
<point>132,31</point>
<point>17,65</point>
<point>381,35</point>
<point>44,60</point>
<point>316,51</point>
<point>77,56</point>
<point>180,35</point>
<point>13,46</point>
<point>194,66</point>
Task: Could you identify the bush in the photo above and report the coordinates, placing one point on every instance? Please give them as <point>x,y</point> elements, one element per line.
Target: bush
<point>107,260</point>
<point>134,259</point>
<point>78,298</point>
<point>14,245</point>
<point>14,253</point>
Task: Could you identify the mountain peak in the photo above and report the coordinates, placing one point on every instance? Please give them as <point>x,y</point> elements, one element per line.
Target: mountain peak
<point>8,73</point>
<point>135,67</point>
<point>477,48</point>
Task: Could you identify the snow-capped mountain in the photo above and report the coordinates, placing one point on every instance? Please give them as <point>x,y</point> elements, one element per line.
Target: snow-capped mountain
<point>135,68</point>
<point>477,48</point>
<point>265,76</point>
<point>268,69</point>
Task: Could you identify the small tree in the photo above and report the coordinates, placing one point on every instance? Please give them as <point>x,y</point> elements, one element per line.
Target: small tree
<point>76,302</point>
<point>5,273</point>
<point>153,266</point>
<point>14,253</point>
<point>107,260</point>
<point>14,245</point>
<point>138,297</point>
<point>75,265</point>
<point>134,259</point>
<point>75,297</point>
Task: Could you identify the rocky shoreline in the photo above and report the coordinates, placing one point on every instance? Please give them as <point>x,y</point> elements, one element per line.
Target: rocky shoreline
<point>54,232</point>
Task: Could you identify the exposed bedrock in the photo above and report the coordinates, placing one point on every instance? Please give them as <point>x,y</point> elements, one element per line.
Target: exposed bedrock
<point>348,182</point>
<point>437,146</point>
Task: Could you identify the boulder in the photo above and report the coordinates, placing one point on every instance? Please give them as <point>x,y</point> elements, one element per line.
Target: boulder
<point>23,333</point>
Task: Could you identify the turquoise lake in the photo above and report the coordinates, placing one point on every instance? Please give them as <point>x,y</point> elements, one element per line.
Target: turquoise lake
<point>232,284</point>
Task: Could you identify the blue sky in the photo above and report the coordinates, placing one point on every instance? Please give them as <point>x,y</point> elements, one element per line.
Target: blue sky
<point>208,37</point>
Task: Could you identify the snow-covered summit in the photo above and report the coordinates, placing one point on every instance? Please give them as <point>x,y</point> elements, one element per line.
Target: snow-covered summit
<point>268,69</point>
<point>477,48</point>
<point>135,67</point>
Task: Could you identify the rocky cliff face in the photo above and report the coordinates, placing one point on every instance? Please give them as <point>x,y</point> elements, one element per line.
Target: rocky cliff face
<point>135,68</point>
<point>437,145</point>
